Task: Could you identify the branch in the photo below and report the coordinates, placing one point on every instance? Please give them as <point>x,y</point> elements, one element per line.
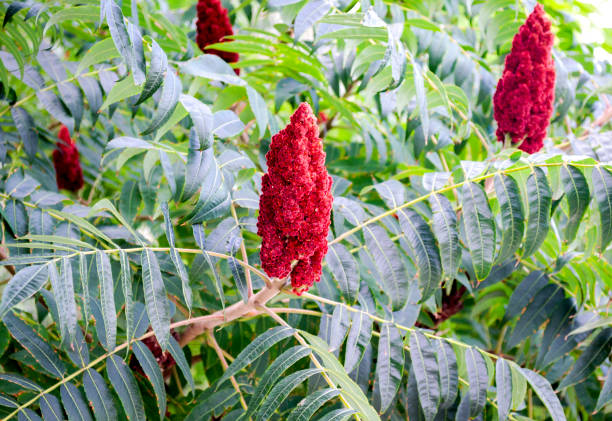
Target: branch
<point>233,312</point>
<point>213,343</point>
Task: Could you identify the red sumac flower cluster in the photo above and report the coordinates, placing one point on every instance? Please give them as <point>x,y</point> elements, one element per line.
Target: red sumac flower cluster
<point>523,101</point>
<point>295,203</point>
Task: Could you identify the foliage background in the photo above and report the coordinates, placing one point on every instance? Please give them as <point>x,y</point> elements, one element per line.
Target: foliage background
<point>486,295</point>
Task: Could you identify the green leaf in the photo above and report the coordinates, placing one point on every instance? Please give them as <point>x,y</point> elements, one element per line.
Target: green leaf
<point>214,198</point>
<point>20,381</point>
<point>595,354</point>
<point>26,129</point>
<point>423,250</point>
<point>119,33</point>
<point>176,257</point>
<point>578,198</point>
<point>25,283</point>
<point>421,98</point>
<point>392,271</point>
<point>445,228</point>
<point>121,90</point>
<point>64,297</point>
<point>478,379</point>
<point>539,199</point>
<point>130,199</point>
<point>198,234</point>
<point>503,386</point>
<point>75,406</point>
<point>84,275</point>
<point>155,75</point>
<point>449,377</point>
<point>10,403</point>
<point>349,390</point>
<point>99,396</point>
<point>38,348</point>
<point>226,124</point>
<point>282,389</point>
<point>526,290</point>
<point>337,415</point>
<point>311,404</point>
<point>259,109</point>
<point>274,372</point>
<point>167,102</point>
<point>257,347</point>
<point>605,396</point>
<point>338,326</point>
<point>360,33</point>
<point>126,283</point>
<point>28,415</point>
<point>124,383</point>
<point>155,297</point>
<point>151,369</point>
<point>512,218</point>
<point>107,300</point>
<point>546,394</point>
<point>308,15</point>
<point>179,356</point>
<point>101,51</point>
<point>202,119</point>
<point>345,269</point>
<point>479,228</point>
<point>82,13</point>
<point>215,403</point>
<point>602,186</point>
<point>425,367</point>
<point>210,66</point>
<point>389,364</point>
<point>538,311</point>
<point>50,408</point>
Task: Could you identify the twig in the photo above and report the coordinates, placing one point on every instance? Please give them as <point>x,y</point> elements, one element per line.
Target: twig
<point>4,256</point>
<point>245,258</point>
<point>213,343</point>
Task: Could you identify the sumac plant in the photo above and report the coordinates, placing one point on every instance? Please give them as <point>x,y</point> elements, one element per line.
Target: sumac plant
<point>304,209</point>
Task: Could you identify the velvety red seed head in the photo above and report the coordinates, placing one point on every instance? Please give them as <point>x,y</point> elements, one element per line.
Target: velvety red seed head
<point>68,172</point>
<point>213,25</point>
<point>523,101</point>
<point>295,203</point>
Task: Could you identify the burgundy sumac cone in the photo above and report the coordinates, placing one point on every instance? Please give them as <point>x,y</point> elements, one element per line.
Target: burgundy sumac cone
<point>213,26</point>
<point>523,101</point>
<point>295,203</point>
<point>68,172</point>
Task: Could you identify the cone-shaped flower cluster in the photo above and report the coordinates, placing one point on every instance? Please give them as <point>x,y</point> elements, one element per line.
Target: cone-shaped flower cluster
<point>523,101</point>
<point>213,26</point>
<point>68,171</point>
<point>295,203</point>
